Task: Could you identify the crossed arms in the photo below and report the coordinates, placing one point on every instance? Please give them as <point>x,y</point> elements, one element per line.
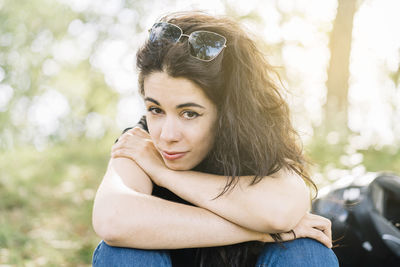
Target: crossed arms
<point>126,214</point>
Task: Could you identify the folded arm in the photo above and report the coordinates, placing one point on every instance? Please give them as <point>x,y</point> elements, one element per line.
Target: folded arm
<point>125,214</point>
<point>275,204</point>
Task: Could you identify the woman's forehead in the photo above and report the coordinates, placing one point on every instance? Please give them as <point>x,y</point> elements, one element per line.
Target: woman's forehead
<point>162,87</point>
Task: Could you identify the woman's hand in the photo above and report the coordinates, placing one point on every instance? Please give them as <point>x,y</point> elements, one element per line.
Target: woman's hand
<point>312,226</point>
<point>136,144</point>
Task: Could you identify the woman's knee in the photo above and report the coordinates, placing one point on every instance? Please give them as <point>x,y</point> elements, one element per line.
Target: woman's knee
<point>298,252</point>
<point>105,255</point>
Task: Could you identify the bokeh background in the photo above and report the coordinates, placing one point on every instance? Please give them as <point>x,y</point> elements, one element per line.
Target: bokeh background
<point>68,86</point>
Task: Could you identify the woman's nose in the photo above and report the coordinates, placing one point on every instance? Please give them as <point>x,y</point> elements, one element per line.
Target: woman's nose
<point>170,131</point>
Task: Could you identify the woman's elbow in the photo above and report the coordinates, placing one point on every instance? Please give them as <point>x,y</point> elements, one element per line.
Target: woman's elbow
<point>107,221</point>
<point>290,215</point>
<point>104,226</point>
<point>286,223</point>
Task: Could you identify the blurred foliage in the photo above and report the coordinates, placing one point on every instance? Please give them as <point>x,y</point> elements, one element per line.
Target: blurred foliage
<point>47,200</point>
<point>48,176</point>
<point>36,39</point>
<point>339,155</point>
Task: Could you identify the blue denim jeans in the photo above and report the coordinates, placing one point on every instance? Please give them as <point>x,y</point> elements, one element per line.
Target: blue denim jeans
<point>298,252</point>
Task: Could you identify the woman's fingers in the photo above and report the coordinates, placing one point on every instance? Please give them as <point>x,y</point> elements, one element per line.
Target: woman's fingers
<point>321,237</point>
<point>131,138</point>
<point>322,224</point>
<point>132,144</point>
<point>314,233</point>
<point>327,230</point>
<point>137,131</point>
<point>316,227</point>
<point>121,153</point>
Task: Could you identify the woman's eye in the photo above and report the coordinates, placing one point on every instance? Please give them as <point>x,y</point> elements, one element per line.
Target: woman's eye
<point>190,114</point>
<point>154,110</point>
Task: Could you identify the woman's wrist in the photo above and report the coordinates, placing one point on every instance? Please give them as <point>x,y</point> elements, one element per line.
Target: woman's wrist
<point>160,176</point>
<point>266,238</point>
<point>286,236</point>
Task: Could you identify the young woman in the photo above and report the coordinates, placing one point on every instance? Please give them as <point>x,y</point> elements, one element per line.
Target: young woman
<point>213,174</point>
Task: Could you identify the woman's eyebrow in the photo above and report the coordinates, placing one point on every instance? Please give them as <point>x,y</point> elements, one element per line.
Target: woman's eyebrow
<point>152,100</point>
<point>189,104</point>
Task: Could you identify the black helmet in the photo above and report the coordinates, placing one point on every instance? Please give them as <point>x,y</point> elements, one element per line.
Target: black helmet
<point>365,220</point>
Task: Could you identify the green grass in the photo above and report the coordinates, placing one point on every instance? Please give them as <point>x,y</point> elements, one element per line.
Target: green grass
<point>47,200</point>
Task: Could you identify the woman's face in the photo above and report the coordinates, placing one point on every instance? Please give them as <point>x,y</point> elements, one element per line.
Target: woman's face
<point>180,120</point>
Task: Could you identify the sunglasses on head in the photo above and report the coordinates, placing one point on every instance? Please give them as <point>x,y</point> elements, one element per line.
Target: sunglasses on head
<point>203,45</point>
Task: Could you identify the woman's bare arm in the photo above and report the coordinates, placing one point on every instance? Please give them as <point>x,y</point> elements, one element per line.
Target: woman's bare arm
<point>275,204</point>
<point>125,214</point>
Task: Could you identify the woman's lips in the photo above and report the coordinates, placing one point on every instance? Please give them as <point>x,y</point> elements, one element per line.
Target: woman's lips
<point>173,155</point>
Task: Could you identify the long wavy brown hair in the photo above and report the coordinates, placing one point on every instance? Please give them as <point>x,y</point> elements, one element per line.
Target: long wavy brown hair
<point>254,134</point>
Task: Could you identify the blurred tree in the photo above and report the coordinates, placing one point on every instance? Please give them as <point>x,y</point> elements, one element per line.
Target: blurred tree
<point>395,76</point>
<point>49,79</point>
<point>338,71</point>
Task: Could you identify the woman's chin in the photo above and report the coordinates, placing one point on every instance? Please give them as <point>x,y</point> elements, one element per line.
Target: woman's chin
<point>177,166</point>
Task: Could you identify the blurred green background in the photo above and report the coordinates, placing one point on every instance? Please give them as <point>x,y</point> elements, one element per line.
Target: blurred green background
<point>68,87</point>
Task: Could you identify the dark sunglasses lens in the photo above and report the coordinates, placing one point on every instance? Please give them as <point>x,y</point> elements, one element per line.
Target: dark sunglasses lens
<point>206,45</point>
<point>164,31</point>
